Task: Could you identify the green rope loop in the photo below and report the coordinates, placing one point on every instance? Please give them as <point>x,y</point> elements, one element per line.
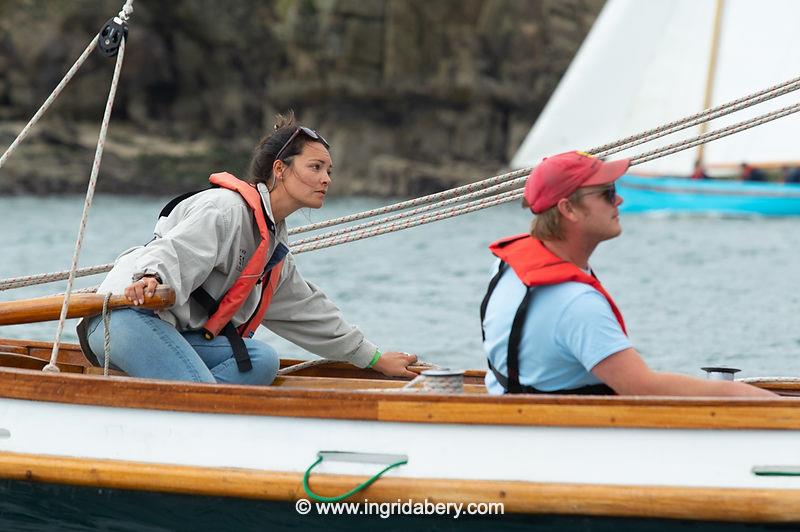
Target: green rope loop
<point>320,498</point>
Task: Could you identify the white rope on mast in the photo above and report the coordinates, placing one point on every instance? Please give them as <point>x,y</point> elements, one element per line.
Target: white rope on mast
<point>87,205</point>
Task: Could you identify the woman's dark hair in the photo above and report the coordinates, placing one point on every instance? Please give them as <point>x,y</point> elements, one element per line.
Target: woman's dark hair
<point>269,146</point>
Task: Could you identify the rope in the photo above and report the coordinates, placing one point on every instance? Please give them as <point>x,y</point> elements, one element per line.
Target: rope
<point>714,135</point>
<point>695,122</point>
<point>745,101</point>
<point>413,202</point>
<point>126,11</point>
<point>50,99</point>
<point>408,214</point>
<point>481,188</point>
<point>44,278</point>
<point>87,205</point>
<point>106,334</point>
<point>421,220</point>
<point>603,150</point>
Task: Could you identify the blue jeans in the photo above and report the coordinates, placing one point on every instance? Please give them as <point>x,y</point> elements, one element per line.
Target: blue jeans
<point>142,345</point>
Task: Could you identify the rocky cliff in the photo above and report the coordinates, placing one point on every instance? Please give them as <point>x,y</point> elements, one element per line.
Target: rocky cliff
<point>414,95</point>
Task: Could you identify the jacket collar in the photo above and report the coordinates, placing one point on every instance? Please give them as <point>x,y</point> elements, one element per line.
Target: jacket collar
<point>281,233</point>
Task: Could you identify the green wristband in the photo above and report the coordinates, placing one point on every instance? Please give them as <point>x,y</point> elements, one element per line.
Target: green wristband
<point>374,358</point>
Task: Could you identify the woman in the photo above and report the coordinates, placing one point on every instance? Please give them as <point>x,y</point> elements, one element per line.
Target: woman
<point>225,253</point>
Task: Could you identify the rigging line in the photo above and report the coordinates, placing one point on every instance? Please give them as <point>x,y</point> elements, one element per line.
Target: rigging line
<point>413,212</point>
<point>702,120</point>
<point>638,159</point>
<point>421,220</point>
<point>512,195</point>
<point>714,135</point>
<point>604,150</point>
<point>50,99</point>
<point>44,278</point>
<point>87,205</point>
<point>705,112</point>
<point>470,187</point>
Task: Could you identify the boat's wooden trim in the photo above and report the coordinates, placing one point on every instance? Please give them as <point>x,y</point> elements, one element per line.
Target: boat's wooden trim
<point>712,504</point>
<point>561,411</point>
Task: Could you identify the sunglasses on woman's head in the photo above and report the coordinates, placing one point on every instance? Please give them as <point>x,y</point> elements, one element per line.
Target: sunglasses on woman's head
<point>609,193</point>
<point>308,132</point>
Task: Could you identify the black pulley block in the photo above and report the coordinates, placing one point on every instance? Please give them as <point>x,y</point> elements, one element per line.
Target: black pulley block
<point>111,36</point>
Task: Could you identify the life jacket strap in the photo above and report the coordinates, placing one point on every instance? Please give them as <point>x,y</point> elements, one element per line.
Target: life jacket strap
<point>514,340</point>
<point>168,208</point>
<point>492,285</point>
<point>240,353</point>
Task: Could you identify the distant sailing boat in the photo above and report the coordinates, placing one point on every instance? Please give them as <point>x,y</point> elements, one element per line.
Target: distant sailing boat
<point>645,64</point>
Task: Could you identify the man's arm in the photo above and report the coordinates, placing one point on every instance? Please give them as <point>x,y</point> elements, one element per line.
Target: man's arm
<point>627,374</point>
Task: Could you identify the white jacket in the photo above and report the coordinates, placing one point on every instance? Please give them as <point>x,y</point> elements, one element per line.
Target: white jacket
<point>207,240</point>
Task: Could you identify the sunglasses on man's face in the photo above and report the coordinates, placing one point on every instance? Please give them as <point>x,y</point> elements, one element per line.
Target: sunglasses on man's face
<point>308,132</point>
<point>609,193</point>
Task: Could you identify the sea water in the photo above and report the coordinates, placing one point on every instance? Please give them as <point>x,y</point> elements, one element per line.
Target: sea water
<point>694,290</point>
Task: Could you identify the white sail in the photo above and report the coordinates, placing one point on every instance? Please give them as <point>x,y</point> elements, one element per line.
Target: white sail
<point>645,63</point>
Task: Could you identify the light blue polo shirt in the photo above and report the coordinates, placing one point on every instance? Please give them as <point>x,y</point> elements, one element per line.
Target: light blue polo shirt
<point>569,329</point>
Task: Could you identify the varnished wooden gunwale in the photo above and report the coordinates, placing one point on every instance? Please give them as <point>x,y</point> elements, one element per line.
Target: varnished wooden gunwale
<point>710,504</point>
<point>561,411</point>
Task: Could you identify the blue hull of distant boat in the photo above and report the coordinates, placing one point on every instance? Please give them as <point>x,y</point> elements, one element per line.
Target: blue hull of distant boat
<point>673,194</point>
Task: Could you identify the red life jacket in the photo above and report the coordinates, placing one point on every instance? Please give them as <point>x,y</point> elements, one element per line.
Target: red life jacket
<point>237,294</point>
<point>535,265</point>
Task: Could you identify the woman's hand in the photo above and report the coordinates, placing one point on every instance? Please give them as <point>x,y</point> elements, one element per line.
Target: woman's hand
<point>146,286</point>
<point>394,364</point>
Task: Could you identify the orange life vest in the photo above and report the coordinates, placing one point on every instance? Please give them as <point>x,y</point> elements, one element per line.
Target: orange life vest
<point>535,265</point>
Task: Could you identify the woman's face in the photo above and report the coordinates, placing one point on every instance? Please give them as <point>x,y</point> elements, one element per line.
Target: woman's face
<point>307,180</point>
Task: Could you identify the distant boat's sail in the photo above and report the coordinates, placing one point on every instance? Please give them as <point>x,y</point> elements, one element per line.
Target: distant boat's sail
<point>647,63</point>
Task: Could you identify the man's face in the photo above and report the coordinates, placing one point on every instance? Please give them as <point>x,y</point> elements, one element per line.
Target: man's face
<point>599,207</point>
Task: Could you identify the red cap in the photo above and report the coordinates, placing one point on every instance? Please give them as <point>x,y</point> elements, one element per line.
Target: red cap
<point>559,176</point>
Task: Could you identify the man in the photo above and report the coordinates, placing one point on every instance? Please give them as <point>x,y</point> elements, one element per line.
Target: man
<point>549,325</point>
